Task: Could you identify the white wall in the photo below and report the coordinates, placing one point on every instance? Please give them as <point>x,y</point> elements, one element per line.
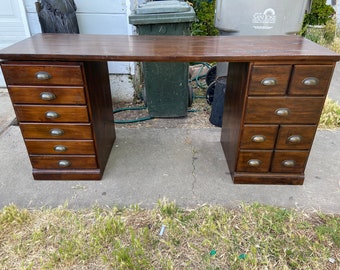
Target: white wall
<point>101,17</point>
<point>95,17</point>
<point>13,25</point>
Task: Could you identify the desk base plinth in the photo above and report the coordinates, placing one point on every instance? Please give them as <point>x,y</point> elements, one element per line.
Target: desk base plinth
<point>67,174</point>
<point>268,179</point>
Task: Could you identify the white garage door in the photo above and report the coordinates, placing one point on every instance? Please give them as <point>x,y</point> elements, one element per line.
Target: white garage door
<point>13,25</point>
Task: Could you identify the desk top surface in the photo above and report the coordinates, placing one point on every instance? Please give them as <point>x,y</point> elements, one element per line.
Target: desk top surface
<point>81,47</point>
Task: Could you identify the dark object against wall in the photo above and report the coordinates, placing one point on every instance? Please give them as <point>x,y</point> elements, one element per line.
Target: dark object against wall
<point>57,16</point>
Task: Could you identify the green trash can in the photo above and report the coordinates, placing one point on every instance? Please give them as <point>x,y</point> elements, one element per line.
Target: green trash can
<point>167,92</point>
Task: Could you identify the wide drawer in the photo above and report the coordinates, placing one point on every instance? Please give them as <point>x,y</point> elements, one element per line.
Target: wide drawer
<point>283,110</point>
<point>46,113</point>
<point>63,162</point>
<point>22,73</point>
<point>254,161</point>
<point>60,147</point>
<point>295,137</point>
<point>269,80</point>
<point>289,161</point>
<point>258,137</point>
<point>56,131</point>
<point>310,79</point>
<point>47,95</point>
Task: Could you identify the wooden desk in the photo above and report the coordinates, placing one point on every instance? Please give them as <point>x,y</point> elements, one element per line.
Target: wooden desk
<point>276,88</point>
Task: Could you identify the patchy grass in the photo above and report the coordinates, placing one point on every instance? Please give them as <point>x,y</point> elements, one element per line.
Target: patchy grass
<point>209,237</point>
<point>330,116</point>
<point>334,46</point>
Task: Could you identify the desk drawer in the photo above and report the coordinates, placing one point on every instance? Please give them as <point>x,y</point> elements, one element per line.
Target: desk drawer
<point>295,137</point>
<point>60,147</point>
<point>258,136</point>
<point>269,80</point>
<point>254,161</point>
<point>283,110</point>
<point>310,80</point>
<point>47,95</point>
<point>289,161</point>
<point>45,113</point>
<point>56,131</point>
<point>42,74</point>
<point>63,162</point>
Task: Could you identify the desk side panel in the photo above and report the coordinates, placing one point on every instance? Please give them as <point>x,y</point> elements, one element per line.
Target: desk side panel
<point>235,96</point>
<point>100,103</point>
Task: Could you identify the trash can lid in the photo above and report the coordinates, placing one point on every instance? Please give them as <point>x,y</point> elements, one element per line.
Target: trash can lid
<point>156,7</point>
<point>158,12</point>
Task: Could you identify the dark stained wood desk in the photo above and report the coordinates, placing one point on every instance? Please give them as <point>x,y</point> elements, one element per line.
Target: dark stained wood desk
<point>277,85</point>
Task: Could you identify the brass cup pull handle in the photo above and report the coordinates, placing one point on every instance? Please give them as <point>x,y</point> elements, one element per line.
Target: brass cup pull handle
<point>64,163</point>
<point>295,139</point>
<point>43,75</point>
<point>254,162</point>
<point>56,132</point>
<point>289,163</point>
<point>47,96</point>
<point>269,82</point>
<point>52,115</point>
<point>310,81</point>
<point>258,138</point>
<point>282,112</point>
<point>60,148</point>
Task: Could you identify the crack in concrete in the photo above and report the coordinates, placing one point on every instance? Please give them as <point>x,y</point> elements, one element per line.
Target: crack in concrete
<point>194,158</point>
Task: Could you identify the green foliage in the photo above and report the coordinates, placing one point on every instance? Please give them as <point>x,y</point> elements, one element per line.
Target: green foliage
<point>330,31</point>
<point>13,215</point>
<point>330,117</point>
<point>320,13</point>
<point>329,228</point>
<point>205,14</point>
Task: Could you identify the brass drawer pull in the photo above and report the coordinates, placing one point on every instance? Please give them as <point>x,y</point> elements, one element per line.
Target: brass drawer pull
<point>310,81</point>
<point>56,132</point>
<point>60,148</point>
<point>295,139</point>
<point>258,138</point>
<point>47,96</point>
<point>52,115</point>
<point>288,163</point>
<point>43,75</point>
<point>269,82</point>
<point>64,163</point>
<point>282,112</point>
<point>254,162</point>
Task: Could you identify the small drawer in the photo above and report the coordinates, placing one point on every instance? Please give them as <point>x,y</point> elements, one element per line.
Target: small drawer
<point>56,131</point>
<point>258,137</point>
<point>289,161</point>
<point>60,147</point>
<point>45,113</point>
<point>269,80</point>
<point>311,80</point>
<point>283,110</point>
<point>61,162</point>
<point>21,73</point>
<point>296,137</point>
<point>47,95</point>
<point>254,161</point>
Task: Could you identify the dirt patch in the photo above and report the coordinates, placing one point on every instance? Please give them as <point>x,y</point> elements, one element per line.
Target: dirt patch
<point>198,113</point>
<point>198,117</point>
